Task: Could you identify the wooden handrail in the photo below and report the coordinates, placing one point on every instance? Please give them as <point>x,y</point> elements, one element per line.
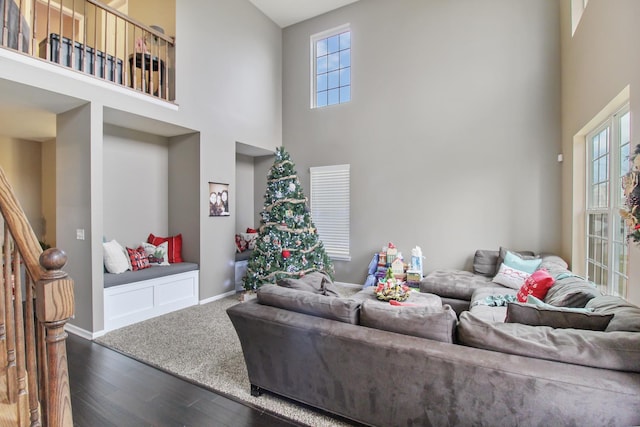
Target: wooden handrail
<point>23,235</point>
<point>35,364</point>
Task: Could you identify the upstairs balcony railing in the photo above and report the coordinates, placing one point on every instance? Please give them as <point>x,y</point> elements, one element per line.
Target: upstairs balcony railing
<point>93,38</point>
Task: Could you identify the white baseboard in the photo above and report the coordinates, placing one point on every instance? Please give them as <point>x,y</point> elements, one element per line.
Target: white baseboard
<point>217,297</point>
<point>82,333</point>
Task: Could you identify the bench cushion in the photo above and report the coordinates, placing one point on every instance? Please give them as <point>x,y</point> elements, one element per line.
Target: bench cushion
<point>147,274</point>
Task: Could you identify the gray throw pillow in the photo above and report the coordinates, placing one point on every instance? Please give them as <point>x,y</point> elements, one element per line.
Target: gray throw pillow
<point>434,323</point>
<point>316,282</point>
<point>345,310</point>
<point>626,315</point>
<point>529,314</point>
<point>571,291</point>
<point>484,262</point>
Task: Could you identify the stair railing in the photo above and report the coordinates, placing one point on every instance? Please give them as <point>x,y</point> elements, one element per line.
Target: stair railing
<point>32,340</point>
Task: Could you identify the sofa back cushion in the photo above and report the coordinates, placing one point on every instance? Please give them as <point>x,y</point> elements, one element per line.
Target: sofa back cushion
<point>434,323</point>
<point>609,350</point>
<point>329,307</point>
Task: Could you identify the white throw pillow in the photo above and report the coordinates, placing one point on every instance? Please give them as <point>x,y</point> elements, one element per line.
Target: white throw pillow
<point>510,277</point>
<point>158,255</point>
<point>115,260</point>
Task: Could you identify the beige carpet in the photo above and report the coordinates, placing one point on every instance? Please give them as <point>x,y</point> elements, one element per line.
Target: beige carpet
<point>200,345</point>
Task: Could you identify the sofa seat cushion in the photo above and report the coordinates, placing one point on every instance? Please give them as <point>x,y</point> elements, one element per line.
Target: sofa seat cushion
<point>345,310</point>
<point>626,315</point>
<point>609,350</point>
<point>457,284</point>
<point>490,304</point>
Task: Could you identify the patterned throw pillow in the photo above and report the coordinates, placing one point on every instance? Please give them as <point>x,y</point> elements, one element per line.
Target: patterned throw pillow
<point>241,244</point>
<point>138,257</point>
<point>537,284</point>
<point>510,277</point>
<point>250,238</point>
<point>157,255</point>
<point>175,246</point>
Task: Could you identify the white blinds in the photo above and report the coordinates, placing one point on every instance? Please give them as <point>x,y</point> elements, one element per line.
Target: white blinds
<point>330,204</point>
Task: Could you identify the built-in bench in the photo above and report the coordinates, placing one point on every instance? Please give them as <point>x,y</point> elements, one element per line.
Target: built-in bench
<point>134,296</point>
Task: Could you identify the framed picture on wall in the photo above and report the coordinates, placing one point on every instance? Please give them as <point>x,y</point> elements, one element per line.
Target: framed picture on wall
<point>218,199</point>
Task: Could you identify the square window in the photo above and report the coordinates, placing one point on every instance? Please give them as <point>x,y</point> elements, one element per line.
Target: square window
<point>345,40</point>
<point>334,79</point>
<point>333,44</point>
<point>321,98</point>
<point>321,64</point>
<point>321,47</point>
<point>334,97</point>
<point>322,82</point>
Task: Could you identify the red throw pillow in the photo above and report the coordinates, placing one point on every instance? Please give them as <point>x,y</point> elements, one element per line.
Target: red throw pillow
<point>537,284</point>
<point>241,244</point>
<point>174,252</point>
<point>139,259</point>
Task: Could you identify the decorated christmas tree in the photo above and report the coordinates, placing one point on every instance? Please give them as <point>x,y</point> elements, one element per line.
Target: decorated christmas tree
<point>287,245</point>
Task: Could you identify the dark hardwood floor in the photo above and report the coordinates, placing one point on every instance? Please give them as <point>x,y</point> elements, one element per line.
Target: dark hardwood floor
<point>110,389</point>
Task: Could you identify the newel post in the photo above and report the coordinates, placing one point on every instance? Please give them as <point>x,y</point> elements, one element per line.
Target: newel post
<point>54,307</point>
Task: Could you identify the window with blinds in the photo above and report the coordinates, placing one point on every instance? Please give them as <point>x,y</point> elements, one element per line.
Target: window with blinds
<point>330,205</point>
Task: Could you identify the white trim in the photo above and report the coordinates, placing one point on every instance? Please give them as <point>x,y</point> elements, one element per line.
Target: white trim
<point>82,333</point>
<point>216,298</point>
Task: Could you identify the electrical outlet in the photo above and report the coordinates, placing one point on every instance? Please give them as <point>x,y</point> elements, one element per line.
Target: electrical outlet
<point>80,234</point>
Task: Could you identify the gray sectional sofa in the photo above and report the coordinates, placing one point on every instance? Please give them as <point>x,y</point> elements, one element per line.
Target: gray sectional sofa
<point>384,365</point>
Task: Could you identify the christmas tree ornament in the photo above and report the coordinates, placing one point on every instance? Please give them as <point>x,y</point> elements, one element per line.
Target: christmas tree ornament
<point>286,254</point>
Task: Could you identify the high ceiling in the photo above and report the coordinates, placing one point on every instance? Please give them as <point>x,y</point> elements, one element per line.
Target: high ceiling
<point>289,12</point>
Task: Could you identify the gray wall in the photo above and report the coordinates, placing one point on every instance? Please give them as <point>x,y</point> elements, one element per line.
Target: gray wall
<point>21,161</point>
<point>452,132</point>
<point>136,185</point>
<point>244,194</point>
<point>78,154</point>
